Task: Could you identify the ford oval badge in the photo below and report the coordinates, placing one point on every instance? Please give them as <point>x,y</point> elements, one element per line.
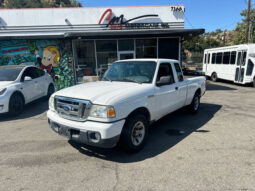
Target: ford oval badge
<point>66,107</point>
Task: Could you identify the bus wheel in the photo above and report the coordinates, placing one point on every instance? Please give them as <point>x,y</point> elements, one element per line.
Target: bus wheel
<point>253,82</point>
<point>214,77</point>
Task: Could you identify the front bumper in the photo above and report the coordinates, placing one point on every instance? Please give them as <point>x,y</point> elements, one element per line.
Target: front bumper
<point>4,104</point>
<point>108,134</point>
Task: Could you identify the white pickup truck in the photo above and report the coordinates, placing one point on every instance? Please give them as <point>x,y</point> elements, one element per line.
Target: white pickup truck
<point>119,109</point>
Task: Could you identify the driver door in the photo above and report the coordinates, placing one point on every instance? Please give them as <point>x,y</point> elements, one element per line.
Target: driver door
<point>166,95</point>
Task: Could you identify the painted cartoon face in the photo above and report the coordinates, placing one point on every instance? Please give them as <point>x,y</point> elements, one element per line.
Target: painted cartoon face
<point>48,58</point>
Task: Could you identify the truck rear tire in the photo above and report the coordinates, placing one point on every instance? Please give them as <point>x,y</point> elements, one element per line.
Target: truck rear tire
<point>194,106</point>
<point>214,77</point>
<point>134,133</point>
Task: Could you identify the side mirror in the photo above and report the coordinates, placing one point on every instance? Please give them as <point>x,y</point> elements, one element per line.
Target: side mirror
<point>164,80</point>
<point>27,78</point>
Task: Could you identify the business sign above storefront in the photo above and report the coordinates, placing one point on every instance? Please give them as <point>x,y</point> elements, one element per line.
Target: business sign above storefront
<point>57,22</point>
<point>120,22</point>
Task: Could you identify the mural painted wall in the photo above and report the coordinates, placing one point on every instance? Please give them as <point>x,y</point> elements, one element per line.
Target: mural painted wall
<point>53,56</point>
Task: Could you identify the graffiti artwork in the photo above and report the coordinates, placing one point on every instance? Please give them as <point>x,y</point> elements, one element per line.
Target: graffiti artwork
<point>53,56</point>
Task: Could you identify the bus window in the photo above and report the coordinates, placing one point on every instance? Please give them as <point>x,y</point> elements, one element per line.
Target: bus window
<point>205,58</point>
<point>219,58</point>
<point>233,57</point>
<point>226,57</point>
<point>244,58</point>
<point>249,68</point>
<point>209,57</point>
<point>239,58</point>
<point>213,58</point>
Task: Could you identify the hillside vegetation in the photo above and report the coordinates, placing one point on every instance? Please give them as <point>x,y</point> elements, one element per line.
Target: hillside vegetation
<point>38,3</point>
<point>193,48</point>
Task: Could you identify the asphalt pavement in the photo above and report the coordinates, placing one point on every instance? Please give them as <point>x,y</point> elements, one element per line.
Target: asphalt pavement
<point>212,150</point>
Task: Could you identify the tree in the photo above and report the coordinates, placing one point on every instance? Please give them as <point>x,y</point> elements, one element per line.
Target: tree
<point>1,3</point>
<point>197,45</point>
<point>39,3</point>
<point>239,37</point>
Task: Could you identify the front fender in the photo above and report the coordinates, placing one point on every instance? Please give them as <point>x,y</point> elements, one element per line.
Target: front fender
<point>128,107</point>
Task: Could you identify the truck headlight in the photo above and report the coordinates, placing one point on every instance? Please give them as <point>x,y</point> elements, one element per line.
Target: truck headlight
<point>2,91</point>
<point>100,111</point>
<point>51,103</point>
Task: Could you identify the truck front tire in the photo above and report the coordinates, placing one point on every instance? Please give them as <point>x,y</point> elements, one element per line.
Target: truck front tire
<point>134,133</point>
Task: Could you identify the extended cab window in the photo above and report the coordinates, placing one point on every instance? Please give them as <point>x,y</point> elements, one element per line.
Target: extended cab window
<point>165,69</point>
<point>178,72</point>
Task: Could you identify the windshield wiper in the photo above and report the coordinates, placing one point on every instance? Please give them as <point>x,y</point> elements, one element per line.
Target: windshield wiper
<point>107,79</point>
<point>128,80</point>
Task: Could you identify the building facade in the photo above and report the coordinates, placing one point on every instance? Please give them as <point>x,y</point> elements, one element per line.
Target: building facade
<point>77,45</point>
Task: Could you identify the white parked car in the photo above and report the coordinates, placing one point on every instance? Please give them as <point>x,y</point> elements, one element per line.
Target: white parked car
<point>119,108</point>
<point>20,85</point>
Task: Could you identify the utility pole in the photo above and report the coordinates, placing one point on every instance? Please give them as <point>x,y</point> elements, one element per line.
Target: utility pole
<point>248,22</point>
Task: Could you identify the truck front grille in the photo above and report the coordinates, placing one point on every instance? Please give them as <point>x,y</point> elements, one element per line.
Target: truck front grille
<point>73,109</point>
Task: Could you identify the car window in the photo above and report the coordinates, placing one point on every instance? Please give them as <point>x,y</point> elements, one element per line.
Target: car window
<point>40,72</point>
<point>9,74</point>
<point>165,69</point>
<point>178,72</point>
<point>30,72</point>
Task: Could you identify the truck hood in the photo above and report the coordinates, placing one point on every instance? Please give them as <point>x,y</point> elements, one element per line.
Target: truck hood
<point>4,84</point>
<point>104,92</point>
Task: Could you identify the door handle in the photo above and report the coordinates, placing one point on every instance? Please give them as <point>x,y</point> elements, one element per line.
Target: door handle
<point>151,96</point>
<point>176,88</point>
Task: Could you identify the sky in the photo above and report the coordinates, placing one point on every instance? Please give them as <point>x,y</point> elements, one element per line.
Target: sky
<point>207,14</point>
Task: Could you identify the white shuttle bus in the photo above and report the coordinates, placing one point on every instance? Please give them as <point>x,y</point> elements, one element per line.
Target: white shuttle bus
<point>233,63</point>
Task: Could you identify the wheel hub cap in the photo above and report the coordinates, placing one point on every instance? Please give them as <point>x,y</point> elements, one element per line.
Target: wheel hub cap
<point>138,133</point>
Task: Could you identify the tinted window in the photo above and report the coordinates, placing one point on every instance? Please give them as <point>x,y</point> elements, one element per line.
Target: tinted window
<point>168,48</point>
<point>244,58</point>
<point>86,60</point>
<point>205,58</point>
<point>219,58</point>
<point>40,72</point>
<point>237,74</point>
<point>125,45</point>
<point>146,48</point>
<point>179,72</point>
<point>213,58</point>
<point>226,57</point>
<point>165,69</point>
<point>9,74</point>
<point>106,54</point>
<point>249,68</point>
<point>137,71</point>
<point>30,72</point>
<point>233,57</point>
<point>239,58</point>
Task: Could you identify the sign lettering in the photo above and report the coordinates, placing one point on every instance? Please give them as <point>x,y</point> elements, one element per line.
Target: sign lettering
<point>118,22</point>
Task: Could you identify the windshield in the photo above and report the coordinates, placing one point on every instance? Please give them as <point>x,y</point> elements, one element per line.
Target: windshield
<point>9,74</point>
<point>131,71</point>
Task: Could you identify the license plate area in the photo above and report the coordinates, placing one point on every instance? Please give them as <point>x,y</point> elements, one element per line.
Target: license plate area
<point>64,131</point>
